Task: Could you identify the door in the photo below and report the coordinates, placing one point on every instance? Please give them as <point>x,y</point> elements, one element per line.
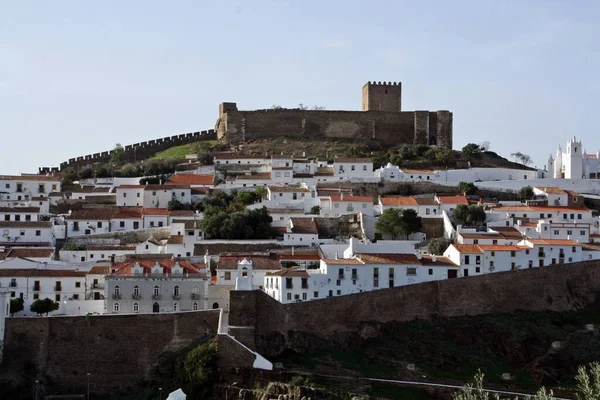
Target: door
<point>452,273</point>
<point>155,307</point>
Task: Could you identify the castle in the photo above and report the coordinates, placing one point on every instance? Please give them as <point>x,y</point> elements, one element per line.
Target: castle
<point>381,119</point>
<point>575,163</point>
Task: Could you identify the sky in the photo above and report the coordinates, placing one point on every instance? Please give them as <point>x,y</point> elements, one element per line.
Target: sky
<point>77,77</point>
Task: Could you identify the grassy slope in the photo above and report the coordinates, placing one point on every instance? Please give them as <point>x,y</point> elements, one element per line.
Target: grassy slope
<point>452,350</point>
<point>183,150</point>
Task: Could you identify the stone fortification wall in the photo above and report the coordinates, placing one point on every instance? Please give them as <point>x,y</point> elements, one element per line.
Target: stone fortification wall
<point>393,128</point>
<point>341,321</point>
<point>119,351</point>
<point>136,151</point>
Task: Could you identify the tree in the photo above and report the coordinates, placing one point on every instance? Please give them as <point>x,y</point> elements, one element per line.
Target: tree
<point>470,150</point>
<point>175,204</point>
<point>467,188</point>
<point>396,221</point>
<point>526,193</point>
<point>16,305</point>
<point>261,192</point>
<point>43,306</point>
<point>86,172</point>
<point>477,392</point>
<point>245,198</point>
<point>70,175</point>
<point>484,146</point>
<point>469,215</point>
<point>316,210</point>
<point>318,108</point>
<point>438,245</point>
<point>521,158</point>
<point>445,157</point>
<point>200,364</point>
<point>588,382</point>
<point>117,155</point>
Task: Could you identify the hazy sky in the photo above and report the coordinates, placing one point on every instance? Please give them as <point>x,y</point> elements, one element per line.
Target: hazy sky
<point>76,77</point>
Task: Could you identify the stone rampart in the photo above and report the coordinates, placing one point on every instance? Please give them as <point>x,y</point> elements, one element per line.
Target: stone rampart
<point>339,321</point>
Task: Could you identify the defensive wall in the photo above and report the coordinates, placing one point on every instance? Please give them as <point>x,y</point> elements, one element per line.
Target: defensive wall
<point>393,128</point>
<point>343,321</point>
<point>119,351</point>
<point>136,151</point>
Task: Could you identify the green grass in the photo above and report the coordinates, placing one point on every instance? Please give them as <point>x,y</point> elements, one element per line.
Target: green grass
<point>184,149</point>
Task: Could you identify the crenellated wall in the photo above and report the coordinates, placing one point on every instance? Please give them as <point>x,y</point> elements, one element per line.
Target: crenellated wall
<point>136,151</point>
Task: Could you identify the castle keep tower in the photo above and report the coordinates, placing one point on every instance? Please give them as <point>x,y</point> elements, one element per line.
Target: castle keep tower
<point>379,96</point>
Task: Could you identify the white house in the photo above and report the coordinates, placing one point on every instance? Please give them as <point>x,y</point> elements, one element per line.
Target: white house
<point>156,284</point>
<point>25,187</point>
<point>288,193</point>
<point>155,217</point>
<point>192,180</point>
<point>131,196</point>
<point>88,220</point>
<point>336,205</point>
<point>23,233</point>
<point>425,207</point>
<point>126,219</point>
<point>262,263</point>
<point>19,213</point>
<point>301,232</point>
<point>346,167</point>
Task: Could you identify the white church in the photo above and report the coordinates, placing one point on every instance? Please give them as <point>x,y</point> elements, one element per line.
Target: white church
<point>574,163</point>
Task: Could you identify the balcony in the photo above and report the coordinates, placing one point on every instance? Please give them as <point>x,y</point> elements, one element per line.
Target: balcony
<point>195,296</point>
<point>176,297</point>
<point>136,296</point>
<point>58,288</point>
<point>116,296</point>
<point>97,285</point>
<point>156,297</point>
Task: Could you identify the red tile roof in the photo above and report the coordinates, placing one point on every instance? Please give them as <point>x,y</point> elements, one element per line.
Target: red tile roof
<point>191,179</point>
<point>34,210</point>
<point>499,247</point>
<point>167,264</point>
<point>290,272</point>
<point>551,190</point>
<point>352,160</point>
<point>468,248</point>
<point>257,176</point>
<point>343,261</point>
<point>440,261</point>
<point>417,171</point>
<point>92,214</point>
<point>304,226</point>
<point>453,200</point>
<point>155,211</point>
<point>351,198</point>
<point>31,272</point>
<point>389,258</point>
<point>29,178</point>
<point>555,242</point>
<point>131,186</point>
<point>259,262</point>
<point>398,201</point>
<point>30,252</point>
<point>175,239</point>
<point>128,213</point>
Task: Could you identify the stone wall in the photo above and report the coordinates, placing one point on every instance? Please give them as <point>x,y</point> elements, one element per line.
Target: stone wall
<point>119,351</point>
<point>393,128</point>
<point>339,321</point>
<point>135,152</point>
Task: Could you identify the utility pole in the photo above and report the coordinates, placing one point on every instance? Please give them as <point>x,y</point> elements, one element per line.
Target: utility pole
<point>88,386</point>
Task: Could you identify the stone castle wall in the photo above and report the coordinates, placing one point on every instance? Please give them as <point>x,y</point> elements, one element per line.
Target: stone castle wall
<point>340,321</point>
<point>118,351</point>
<point>394,128</point>
<point>135,152</point>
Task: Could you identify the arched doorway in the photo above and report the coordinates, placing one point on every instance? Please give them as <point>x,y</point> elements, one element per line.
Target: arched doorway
<point>155,307</point>
<point>215,306</point>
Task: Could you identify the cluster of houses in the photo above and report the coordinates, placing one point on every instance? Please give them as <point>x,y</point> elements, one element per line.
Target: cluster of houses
<point>117,246</point>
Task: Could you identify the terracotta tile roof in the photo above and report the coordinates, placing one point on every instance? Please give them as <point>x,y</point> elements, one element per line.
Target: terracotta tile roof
<point>155,211</point>
<point>304,226</point>
<point>189,224</point>
<point>499,247</point>
<point>285,210</point>
<point>257,176</point>
<point>573,193</point>
<point>131,186</point>
<point>288,189</point>
<point>440,261</point>
<point>551,190</point>
<point>324,171</point>
<point>167,264</point>
<point>389,258</point>
<point>555,242</point>
<point>398,201</point>
<point>34,210</point>
<point>29,178</point>
<point>234,156</point>
<point>508,232</point>
<point>467,248</point>
<point>31,252</point>
<point>299,257</point>
<point>99,270</point>
<point>425,201</point>
<point>175,239</point>
<point>31,272</point>
<point>351,198</point>
<point>290,272</point>
<point>343,261</point>
<point>109,248</point>
<point>191,179</point>
<point>94,214</point>
<point>128,213</point>
<point>363,160</point>
<point>25,224</point>
<point>560,209</point>
<point>590,247</point>
<point>453,200</point>
<point>492,235</point>
<point>230,262</point>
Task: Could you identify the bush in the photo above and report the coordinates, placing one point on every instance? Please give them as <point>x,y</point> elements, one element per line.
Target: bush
<point>316,210</point>
<point>438,245</point>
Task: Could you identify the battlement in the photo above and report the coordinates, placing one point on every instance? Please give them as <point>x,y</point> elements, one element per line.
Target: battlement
<point>135,152</point>
<point>379,83</point>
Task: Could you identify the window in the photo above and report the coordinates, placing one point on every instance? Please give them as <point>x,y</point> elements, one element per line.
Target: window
<point>121,224</point>
<point>28,218</point>
<point>578,216</point>
<point>116,307</point>
<point>117,290</point>
<point>136,307</point>
<point>364,167</point>
<point>491,264</point>
<point>513,253</point>
<point>304,284</point>
<point>56,297</point>
<point>569,232</point>
<point>303,296</point>
<point>338,292</point>
<point>176,291</point>
<point>99,224</point>
<point>289,284</point>
<point>124,195</point>
<point>574,249</point>
<point>556,232</point>
<point>338,282</point>
<point>467,260</point>
<point>156,290</point>
<point>477,260</point>
<point>77,284</point>
<point>38,233</point>
<point>36,296</point>
<point>477,270</point>
<point>530,263</point>
<point>466,272</point>
<point>493,254</point>
<point>136,225</point>
<point>76,226</point>
<point>316,295</point>
<point>22,233</point>
<point>391,283</point>
<point>375,282</point>
<point>136,290</point>
<point>278,174</point>
<point>289,296</point>
<point>7,217</point>
<point>430,271</point>
<point>411,271</point>
<point>352,168</point>
<point>336,205</point>
<point>582,233</point>
<point>175,307</point>
<point>195,306</point>
<point>138,195</point>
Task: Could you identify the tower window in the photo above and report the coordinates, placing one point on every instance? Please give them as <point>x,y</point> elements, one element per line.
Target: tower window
<point>385,91</point>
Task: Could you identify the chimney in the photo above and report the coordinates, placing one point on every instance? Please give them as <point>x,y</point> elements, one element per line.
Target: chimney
<point>433,258</point>
<point>292,250</point>
<point>336,255</point>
